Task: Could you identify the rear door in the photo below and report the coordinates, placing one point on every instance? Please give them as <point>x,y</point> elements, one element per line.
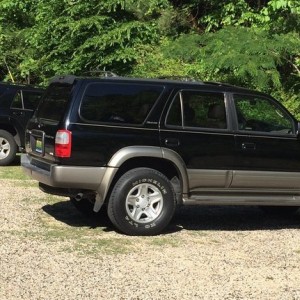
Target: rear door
<point>113,115</point>
<point>198,127</point>
<point>22,108</point>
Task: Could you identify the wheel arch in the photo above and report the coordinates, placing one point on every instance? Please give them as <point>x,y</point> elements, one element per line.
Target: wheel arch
<point>163,160</point>
<point>12,130</point>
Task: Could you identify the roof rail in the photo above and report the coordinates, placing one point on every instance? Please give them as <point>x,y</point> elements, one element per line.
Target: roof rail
<point>180,78</point>
<point>219,83</point>
<point>100,73</point>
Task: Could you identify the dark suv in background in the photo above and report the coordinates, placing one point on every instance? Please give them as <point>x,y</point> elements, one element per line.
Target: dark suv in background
<point>17,103</point>
<point>139,148</point>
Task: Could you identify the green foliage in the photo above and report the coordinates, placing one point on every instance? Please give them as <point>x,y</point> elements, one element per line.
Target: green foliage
<point>244,42</point>
<point>278,15</point>
<point>248,57</point>
<point>75,36</point>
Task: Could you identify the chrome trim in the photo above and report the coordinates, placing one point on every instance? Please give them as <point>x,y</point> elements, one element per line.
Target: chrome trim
<point>249,134</point>
<point>134,127</point>
<point>200,130</point>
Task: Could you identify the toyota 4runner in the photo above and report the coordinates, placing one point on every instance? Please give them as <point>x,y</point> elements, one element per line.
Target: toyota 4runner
<point>139,148</point>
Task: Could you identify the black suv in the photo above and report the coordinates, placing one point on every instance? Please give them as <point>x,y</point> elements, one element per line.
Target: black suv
<point>17,103</point>
<point>139,148</point>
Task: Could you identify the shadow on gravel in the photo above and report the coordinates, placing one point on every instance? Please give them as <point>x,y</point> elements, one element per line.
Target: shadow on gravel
<point>232,218</point>
<point>189,218</point>
<point>65,212</point>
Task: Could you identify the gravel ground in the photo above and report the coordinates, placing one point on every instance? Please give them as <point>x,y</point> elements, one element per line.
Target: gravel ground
<point>49,251</point>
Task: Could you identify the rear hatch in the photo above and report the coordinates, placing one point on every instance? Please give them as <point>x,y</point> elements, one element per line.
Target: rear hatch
<point>47,128</point>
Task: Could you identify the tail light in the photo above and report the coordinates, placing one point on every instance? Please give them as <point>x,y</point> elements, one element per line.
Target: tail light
<point>63,143</point>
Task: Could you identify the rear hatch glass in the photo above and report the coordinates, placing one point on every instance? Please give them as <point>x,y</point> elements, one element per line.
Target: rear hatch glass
<point>53,104</point>
<point>45,123</point>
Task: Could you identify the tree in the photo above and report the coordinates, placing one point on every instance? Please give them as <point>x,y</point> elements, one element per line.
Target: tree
<point>249,43</point>
<point>76,37</point>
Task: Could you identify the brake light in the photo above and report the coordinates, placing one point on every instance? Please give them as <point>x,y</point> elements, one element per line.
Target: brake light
<point>63,143</point>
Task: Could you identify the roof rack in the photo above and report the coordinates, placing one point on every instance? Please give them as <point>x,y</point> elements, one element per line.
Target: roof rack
<point>219,83</point>
<point>100,73</point>
<point>180,78</point>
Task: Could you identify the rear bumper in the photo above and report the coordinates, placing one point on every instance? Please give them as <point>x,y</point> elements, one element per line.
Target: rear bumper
<point>58,176</point>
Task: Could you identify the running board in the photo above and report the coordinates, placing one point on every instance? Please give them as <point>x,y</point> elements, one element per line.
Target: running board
<point>261,199</point>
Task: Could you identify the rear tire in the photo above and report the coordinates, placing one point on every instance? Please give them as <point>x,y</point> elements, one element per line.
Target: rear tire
<point>142,202</point>
<point>8,148</point>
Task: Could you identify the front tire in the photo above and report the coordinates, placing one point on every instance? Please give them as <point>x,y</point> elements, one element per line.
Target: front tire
<point>8,148</point>
<point>142,202</point>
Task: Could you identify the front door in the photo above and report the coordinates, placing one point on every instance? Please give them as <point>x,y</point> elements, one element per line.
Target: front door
<point>267,145</point>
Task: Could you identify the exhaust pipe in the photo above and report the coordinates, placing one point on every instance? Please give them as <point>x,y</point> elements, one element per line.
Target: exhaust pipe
<point>79,197</point>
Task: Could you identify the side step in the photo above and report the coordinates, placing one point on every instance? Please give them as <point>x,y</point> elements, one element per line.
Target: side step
<point>234,199</point>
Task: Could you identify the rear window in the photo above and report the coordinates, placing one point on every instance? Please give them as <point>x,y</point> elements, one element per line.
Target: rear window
<point>6,95</point>
<point>26,100</point>
<point>53,104</point>
<point>118,103</point>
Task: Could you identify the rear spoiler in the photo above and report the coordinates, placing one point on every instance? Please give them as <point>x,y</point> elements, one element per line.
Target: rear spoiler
<point>67,79</point>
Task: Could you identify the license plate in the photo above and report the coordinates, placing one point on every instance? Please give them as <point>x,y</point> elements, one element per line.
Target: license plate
<point>39,146</point>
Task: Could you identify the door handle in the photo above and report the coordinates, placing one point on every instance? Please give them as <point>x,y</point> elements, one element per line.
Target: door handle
<point>248,146</point>
<point>171,142</point>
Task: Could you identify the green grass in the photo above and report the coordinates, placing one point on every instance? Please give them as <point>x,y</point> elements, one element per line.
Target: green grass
<point>12,172</point>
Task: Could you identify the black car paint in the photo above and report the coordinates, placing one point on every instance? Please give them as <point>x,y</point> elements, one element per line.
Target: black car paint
<point>14,120</point>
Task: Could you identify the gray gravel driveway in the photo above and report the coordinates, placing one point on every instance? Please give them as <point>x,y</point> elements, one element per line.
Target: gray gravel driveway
<point>50,251</point>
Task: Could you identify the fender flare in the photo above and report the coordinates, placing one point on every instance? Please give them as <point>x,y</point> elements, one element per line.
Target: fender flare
<point>127,153</point>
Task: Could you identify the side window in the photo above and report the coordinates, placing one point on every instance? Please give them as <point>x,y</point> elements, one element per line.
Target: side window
<point>18,100</point>
<point>263,115</point>
<point>118,103</point>
<point>174,116</point>
<point>26,100</point>
<point>200,109</point>
<point>31,100</point>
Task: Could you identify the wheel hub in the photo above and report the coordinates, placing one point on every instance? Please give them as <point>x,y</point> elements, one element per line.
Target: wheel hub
<point>4,148</point>
<point>144,203</point>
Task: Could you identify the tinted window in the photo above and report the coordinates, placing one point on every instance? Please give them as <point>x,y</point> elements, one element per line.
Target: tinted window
<point>18,100</point>
<point>54,103</point>
<point>31,99</point>
<point>118,103</point>
<point>6,95</point>
<point>174,115</point>
<point>260,114</point>
<point>198,109</point>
